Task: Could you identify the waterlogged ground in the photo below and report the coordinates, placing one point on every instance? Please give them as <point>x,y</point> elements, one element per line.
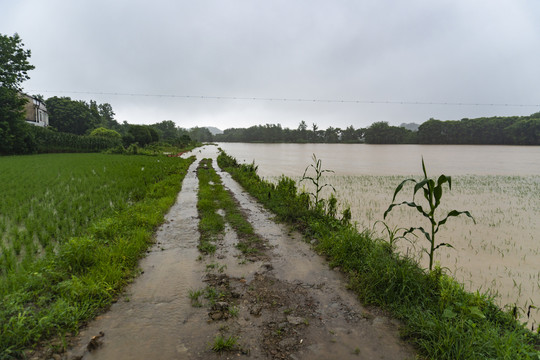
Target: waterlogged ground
<point>286,305</point>
<point>500,185</point>
<point>499,253</point>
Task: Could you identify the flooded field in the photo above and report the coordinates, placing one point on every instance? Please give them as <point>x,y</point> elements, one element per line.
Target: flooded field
<point>499,185</point>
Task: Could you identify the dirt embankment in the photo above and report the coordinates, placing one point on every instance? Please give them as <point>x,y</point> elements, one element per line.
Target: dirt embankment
<point>285,304</point>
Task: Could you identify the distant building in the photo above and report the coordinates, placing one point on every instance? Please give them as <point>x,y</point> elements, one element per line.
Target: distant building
<point>35,112</point>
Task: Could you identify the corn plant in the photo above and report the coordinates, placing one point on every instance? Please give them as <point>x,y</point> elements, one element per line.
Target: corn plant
<point>432,193</point>
<point>316,180</point>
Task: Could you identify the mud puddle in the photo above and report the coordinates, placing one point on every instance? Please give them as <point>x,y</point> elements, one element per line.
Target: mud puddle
<point>286,305</point>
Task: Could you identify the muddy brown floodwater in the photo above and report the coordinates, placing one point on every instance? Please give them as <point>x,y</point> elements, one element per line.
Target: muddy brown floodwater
<point>287,304</point>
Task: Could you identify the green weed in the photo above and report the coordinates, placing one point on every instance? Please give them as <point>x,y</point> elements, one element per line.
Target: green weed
<point>392,233</point>
<point>234,311</point>
<point>212,198</point>
<point>224,344</point>
<point>194,296</point>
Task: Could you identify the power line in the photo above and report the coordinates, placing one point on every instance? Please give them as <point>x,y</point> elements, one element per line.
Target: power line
<point>244,98</point>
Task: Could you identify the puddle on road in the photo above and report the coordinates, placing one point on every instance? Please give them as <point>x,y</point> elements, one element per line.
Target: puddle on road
<point>290,306</point>
<point>344,329</point>
<point>154,319</point>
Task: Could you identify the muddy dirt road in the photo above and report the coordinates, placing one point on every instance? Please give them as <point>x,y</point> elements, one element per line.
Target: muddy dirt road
<point>287,304</point>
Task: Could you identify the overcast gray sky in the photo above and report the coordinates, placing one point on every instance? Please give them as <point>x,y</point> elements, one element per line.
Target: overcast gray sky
<point>426,51</point>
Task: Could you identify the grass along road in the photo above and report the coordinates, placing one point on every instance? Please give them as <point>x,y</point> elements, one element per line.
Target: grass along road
<point>285,302</point>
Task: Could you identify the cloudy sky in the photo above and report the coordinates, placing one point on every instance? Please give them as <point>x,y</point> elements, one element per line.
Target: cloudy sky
<point>387,60</point>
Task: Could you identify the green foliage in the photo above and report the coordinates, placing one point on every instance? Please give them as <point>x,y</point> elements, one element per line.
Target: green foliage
<point>274,133</point>
<point>316,179</point>
<point>200,134</point>
<point>14,67</point>
<point>106,133</point>
<point>142,135</point>
<point>282,198</point>
<point>213,197</point>
<point>49,141</point>
<point>512,130</point>
<point>14,131</point>
<point>392,233</point>
<point>224,344</point>
<point>440,318</point>
<point>432,192</point>
<point>211,223</point>
<point>194,296</point>
<point>170,133</point>
<point>382,133</point>
<point>79,117</point>
<point>525,132</point>
<point>72,116</point>
<point>71,266</point>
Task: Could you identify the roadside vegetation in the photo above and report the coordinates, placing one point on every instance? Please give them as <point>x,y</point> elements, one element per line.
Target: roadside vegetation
<point>73,227</point>
<point>217,207</point>
<point>439,317</point>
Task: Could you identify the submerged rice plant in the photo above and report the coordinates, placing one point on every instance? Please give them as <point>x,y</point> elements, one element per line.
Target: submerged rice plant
<point>499,254</point>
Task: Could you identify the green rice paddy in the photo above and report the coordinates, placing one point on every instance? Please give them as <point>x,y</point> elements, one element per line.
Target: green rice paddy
<point>72,227</point>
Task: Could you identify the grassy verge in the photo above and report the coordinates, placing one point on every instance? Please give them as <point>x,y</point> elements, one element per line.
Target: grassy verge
<point>440,318</point>
<point>82,270</point>
<point>211,198</point>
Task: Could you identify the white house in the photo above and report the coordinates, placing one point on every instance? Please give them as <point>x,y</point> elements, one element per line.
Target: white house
<point>36,112</point>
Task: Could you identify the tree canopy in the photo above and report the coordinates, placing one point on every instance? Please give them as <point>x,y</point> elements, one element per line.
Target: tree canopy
<point>108,133</point>
<point>14,67</point>
<point>79,117</point>
<point>510,130</point>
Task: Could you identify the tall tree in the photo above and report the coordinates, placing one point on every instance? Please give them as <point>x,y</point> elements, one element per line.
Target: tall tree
<point>141,134</point>
<point>14,67</point>
<point>200,134</point>
<point>382,133</point>
<point>106,114</point>
<point>72,116</point>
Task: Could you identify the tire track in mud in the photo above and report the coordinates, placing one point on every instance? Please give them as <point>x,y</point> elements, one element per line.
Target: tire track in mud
<point>288,305</point>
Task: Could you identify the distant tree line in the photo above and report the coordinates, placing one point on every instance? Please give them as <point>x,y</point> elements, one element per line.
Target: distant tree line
<point>82,118</point>
<point>272,133</point>
<point>513,130</point>
<point>79,126</point>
